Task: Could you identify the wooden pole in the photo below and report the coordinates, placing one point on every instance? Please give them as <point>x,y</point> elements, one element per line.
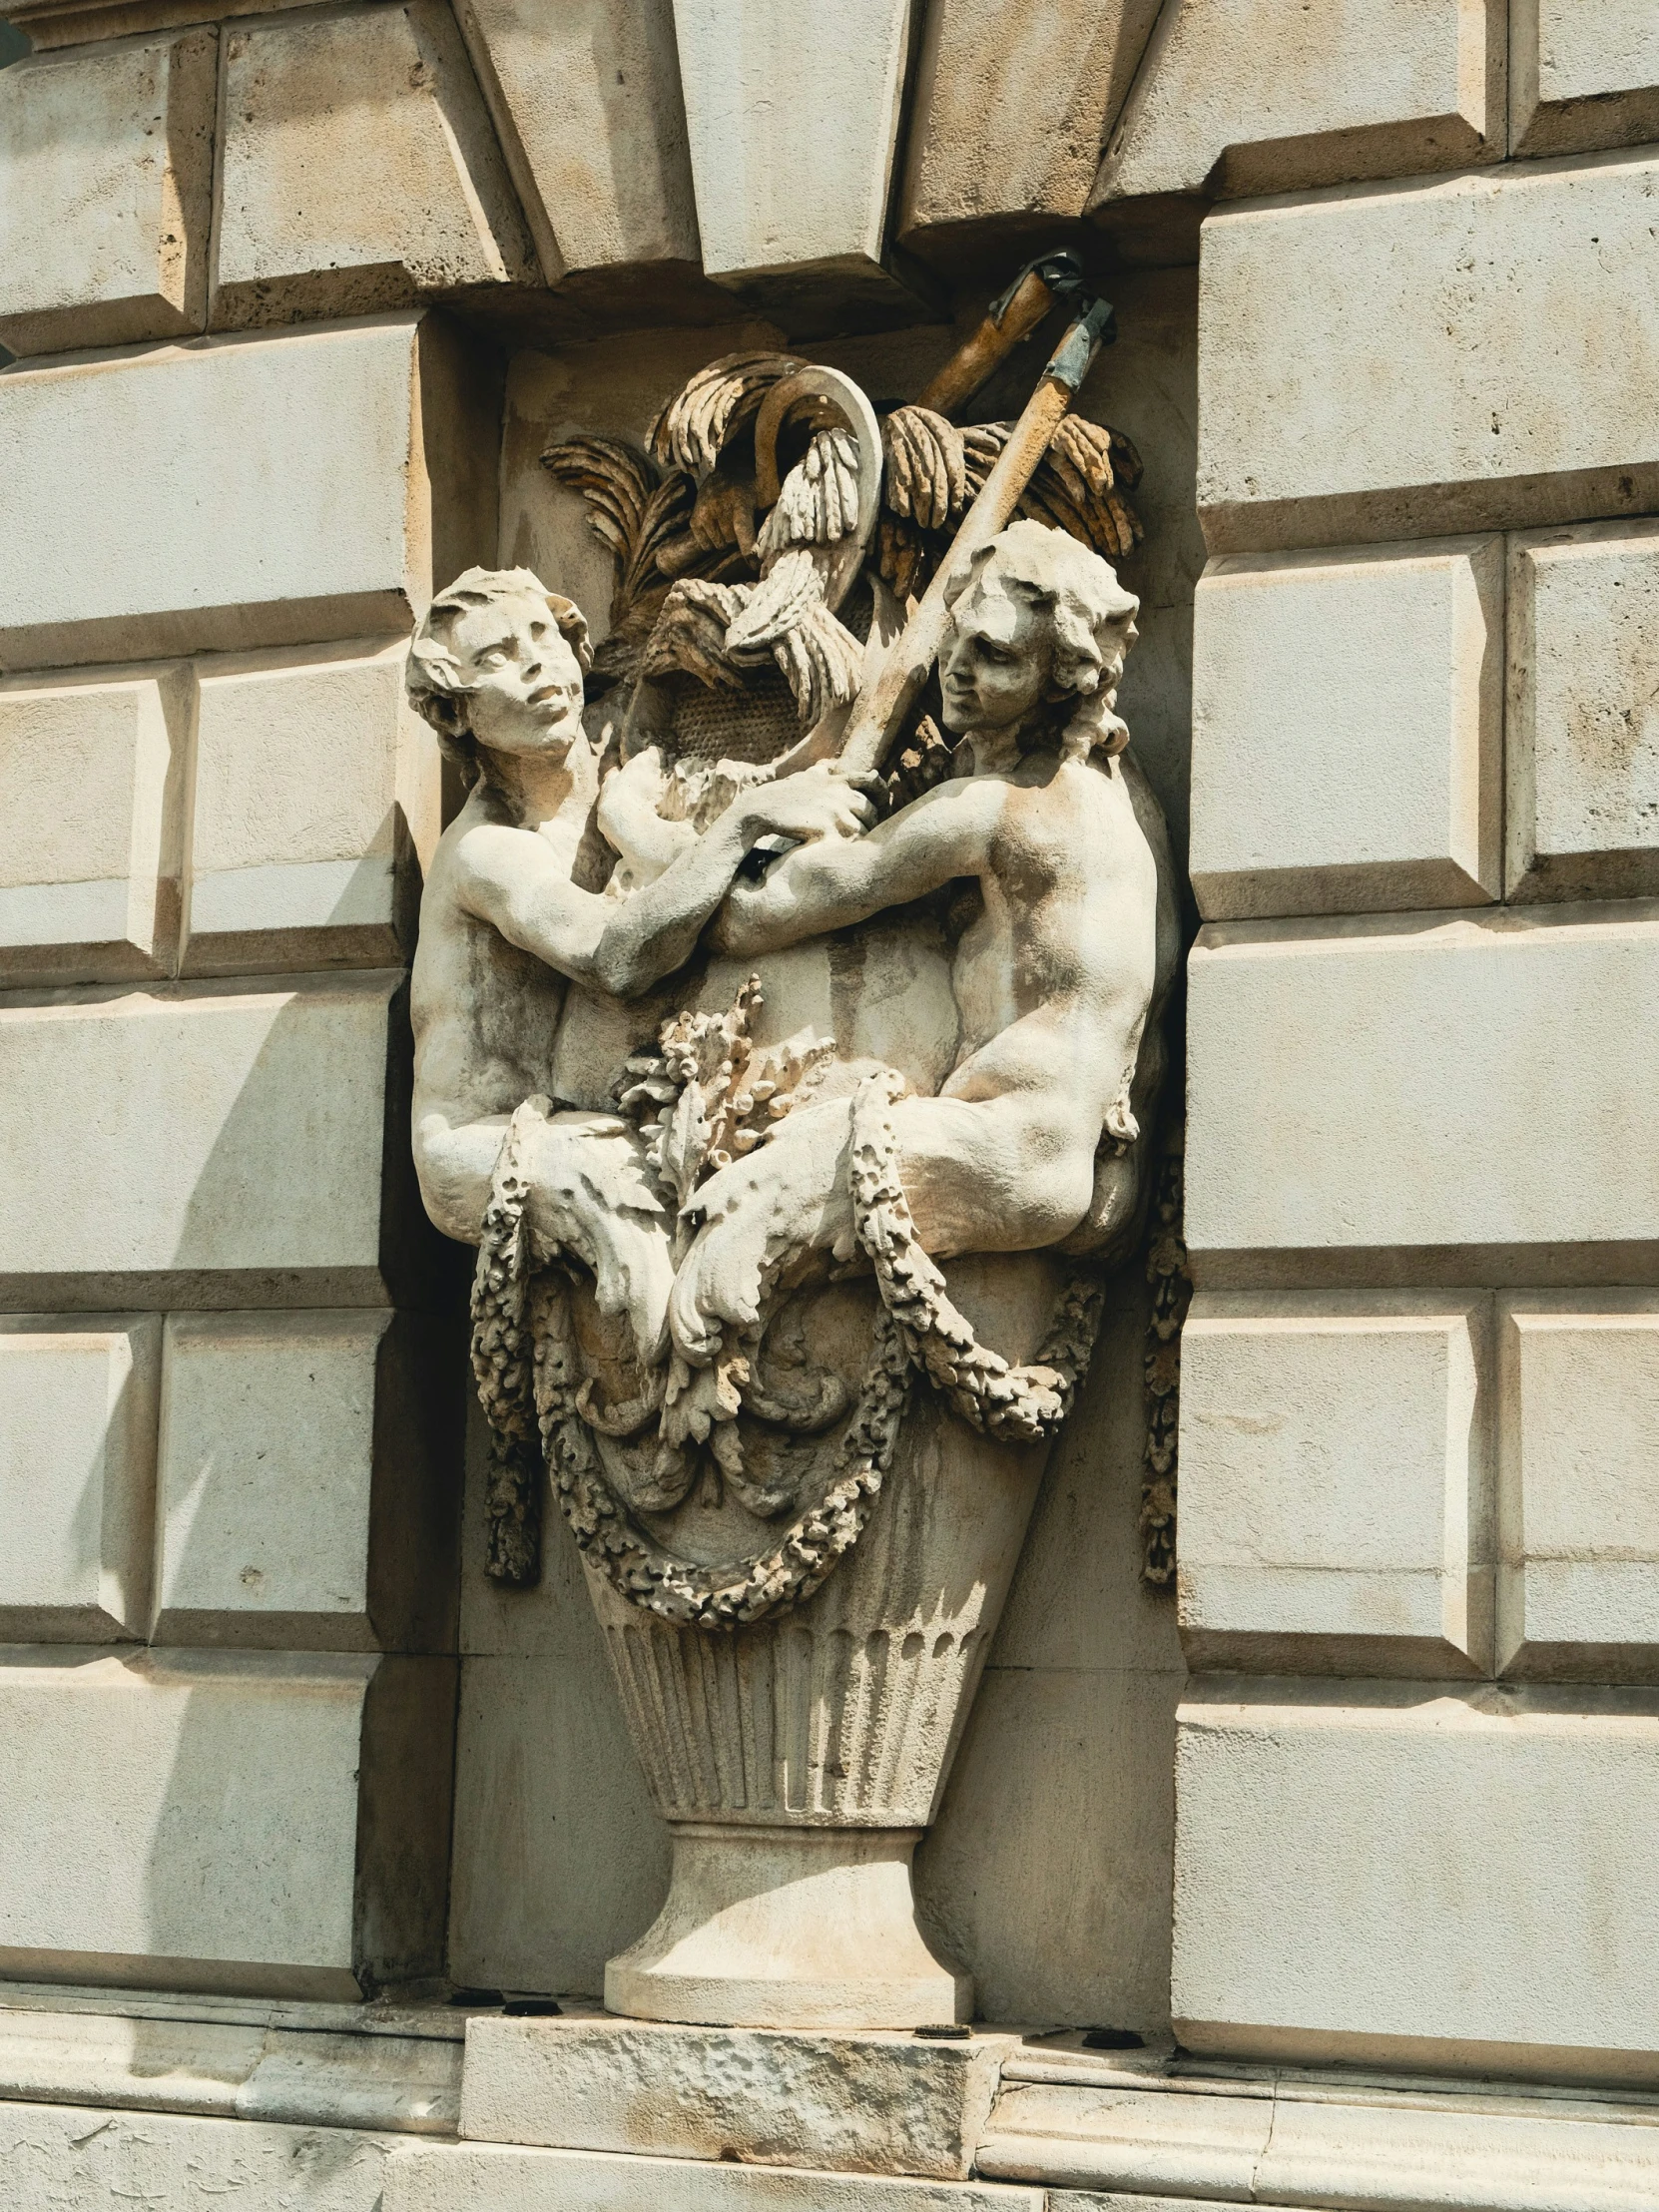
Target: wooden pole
<point>879,713</point>
<point>1008,323</point>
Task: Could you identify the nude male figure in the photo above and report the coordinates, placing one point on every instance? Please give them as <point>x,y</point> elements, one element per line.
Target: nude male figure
<point>1053,980</point>
<point>497,670</point>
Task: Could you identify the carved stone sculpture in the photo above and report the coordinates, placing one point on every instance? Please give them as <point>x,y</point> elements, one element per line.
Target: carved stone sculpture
<point>797,1113</point>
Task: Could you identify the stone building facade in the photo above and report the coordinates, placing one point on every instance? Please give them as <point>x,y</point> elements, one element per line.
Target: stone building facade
<point>1321,1874</point>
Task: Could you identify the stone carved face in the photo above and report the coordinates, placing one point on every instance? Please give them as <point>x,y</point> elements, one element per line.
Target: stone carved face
<point>997,667</point>
<point>522,681</point>
<point>1039,629</point>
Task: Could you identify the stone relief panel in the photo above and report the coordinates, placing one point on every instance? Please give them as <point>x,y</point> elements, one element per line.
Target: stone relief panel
<point>787,1013</point>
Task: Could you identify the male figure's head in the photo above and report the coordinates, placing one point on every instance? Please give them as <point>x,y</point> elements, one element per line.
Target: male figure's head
<point>1039,629</point>
<point>497,666</point>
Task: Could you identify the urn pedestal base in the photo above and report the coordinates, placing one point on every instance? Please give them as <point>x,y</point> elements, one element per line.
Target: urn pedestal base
<point>789,1927</point>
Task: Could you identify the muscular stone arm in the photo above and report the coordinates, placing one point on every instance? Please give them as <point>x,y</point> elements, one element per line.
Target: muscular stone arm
<point>515,881</point>
<point>824,887</point>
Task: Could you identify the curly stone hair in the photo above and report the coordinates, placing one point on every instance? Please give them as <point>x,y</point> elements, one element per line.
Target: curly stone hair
<point>1091,620</point>
<point>437,688</point>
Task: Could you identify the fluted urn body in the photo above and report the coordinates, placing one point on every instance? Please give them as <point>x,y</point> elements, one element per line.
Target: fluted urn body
<point>800,1760</point>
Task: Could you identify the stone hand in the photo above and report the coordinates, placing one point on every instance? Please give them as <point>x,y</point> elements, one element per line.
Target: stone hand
<point>787,1197</point>
<point>816,802</point>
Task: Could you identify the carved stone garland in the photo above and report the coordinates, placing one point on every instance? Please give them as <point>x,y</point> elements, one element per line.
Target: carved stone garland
<point>529,1382</point>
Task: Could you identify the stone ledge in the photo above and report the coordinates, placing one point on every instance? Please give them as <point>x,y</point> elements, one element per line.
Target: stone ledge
<point>1269,2136</point>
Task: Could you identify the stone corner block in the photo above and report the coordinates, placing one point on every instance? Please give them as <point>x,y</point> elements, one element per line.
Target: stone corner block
<point>489,2177</point>
<point>315,806</point>
<point>1348,730</point>
<point>1578,1485</point>
<point>95,768</point>
<point>1582,740</point>
<point>78,1413</point>
<point>348,468</point>
<point>876,2103</point>
<point>358,170</point>
<point>262,1824</point>
<point>1282,96</point>
<point>1335,1456</point>
<point>106,170</point>
<point>1582,74</point>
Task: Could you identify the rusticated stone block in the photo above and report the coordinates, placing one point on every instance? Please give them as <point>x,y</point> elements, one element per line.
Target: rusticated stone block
<point>348,471</point>
<point>1409,1072</point>
<point>358,169</point>
<point>1334,1466</point>
<point>106,173</point>
<point>1348,730</point>
<point>1521,299</point>
<point>1581,749</point>
<point>317,803</point>
<point>858,2103</point>
<point>78,1397</point>
<point>1262,96</point>
<point>1011,104</point>
<point>1578,1493</point>
<point>272,1824</point>
<point>586,97</point>
<point>1419,1879</point>
<point>226,1148</point>
<point>93,767</point>
<point>1582,73</point>
<point>309,1479</point>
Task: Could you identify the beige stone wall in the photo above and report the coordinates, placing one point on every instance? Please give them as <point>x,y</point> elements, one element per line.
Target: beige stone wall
<point>300,294</point>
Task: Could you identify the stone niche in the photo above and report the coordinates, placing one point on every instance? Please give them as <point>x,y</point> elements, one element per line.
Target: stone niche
<point>560,1855</point>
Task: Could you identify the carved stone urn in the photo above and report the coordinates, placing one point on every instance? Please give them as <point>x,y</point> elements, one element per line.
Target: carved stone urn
<point>712,1117</point>
<point>799,1760</point>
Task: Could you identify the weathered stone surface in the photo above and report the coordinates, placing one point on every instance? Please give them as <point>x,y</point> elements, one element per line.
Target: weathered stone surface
<point>1271,2142</point>
<point>1261,96</point>
<point>307,1485</point>
<point>1428,1880</point>
<point>1582,73</point>
<point>233,2069</point>
<point>1520,297</point>
<point>341,467</point>
<point>857,2103</point>
<point>1581,756</point>
<point>240,1139</point>
<point>317,803</point>
<point>106,169</point>
<point>1347,731</point>
<point>1010,107</point>
<point>186,1821</point>
<point>94,769</point>
<point>78,1408</point>
<point>1579,1497</point>
<point>559,1858</point>
<point>1402,1072</point>
<point>358,169</point>
<point>476,2177</point>
<point>586,97</point>
<point>53,2153</point>
<point>792,164</point>
<point>1335,1468</point>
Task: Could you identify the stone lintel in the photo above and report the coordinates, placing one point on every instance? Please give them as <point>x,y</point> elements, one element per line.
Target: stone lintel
<point>853,2102</point>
